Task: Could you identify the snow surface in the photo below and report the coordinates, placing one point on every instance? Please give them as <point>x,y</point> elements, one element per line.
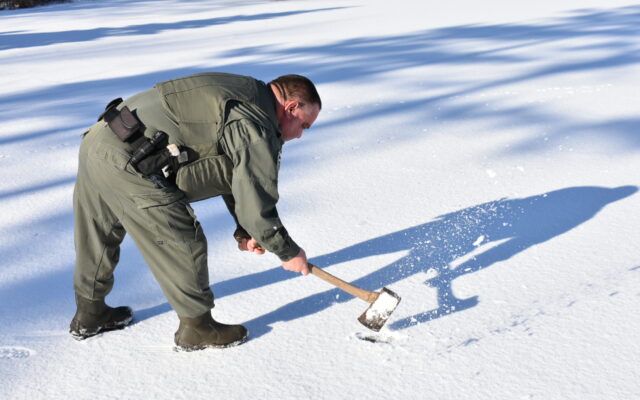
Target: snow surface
<point>479,158</point>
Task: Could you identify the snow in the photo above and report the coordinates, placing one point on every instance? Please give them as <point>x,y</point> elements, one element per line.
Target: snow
<point>478,158</point>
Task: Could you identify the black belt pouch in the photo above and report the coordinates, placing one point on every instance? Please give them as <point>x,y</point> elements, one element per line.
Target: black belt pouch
<point>122,122</point>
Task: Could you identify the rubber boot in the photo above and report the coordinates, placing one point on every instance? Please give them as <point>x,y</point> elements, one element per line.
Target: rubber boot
<point>94,316</point>
<point>204,332</point>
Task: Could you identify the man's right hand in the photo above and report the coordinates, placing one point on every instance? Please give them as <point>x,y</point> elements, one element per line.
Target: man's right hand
<point>297,263</point>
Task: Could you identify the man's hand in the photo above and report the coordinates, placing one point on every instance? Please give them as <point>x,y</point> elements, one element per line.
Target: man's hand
<point>250,245</point>
<point>297,263</point>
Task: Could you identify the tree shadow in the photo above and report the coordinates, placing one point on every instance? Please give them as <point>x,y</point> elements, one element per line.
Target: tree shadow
<point>505,227</point>
<point>36,188</point>
<point>17,40</point>
<point>510,46</point>
<point>366,59</point>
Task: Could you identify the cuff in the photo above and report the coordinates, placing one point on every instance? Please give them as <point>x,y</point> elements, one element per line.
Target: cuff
<point>289,252</point>
<point>240,234</point>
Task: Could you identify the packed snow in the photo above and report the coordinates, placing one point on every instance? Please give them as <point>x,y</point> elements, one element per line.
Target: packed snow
<point>480,159</point>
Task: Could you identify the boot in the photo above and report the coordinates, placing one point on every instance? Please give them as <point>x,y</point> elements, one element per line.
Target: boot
<point>203,332</point>
<point>94,316</point>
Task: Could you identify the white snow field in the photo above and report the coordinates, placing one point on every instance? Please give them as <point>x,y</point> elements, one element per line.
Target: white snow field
<point>479,158</point>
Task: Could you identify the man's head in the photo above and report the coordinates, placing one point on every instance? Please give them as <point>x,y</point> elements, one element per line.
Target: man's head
<point>297,104</point>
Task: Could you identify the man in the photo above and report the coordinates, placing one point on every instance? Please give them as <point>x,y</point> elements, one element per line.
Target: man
<point>185,140</point>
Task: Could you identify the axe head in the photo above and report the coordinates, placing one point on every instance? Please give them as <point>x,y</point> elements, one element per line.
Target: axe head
<point>380,310</point>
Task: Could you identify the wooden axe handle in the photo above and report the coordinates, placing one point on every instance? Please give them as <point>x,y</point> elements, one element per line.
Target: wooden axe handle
<point>362,294</point>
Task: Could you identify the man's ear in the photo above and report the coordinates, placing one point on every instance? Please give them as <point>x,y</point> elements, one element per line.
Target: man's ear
<point>291,105</point>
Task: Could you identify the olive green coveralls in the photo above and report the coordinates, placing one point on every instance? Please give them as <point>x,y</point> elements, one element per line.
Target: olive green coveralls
<point>230,122</point>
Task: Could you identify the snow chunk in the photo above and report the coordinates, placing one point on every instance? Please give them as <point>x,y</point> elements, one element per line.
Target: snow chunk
<point>478,241</point>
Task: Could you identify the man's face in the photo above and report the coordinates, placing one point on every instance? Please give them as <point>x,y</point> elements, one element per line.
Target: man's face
<point>297,117</point>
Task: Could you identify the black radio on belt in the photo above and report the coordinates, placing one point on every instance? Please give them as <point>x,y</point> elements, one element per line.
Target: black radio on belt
<point>147,148</point>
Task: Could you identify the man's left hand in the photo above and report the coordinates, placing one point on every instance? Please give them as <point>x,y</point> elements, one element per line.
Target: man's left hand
<point>250,245</point>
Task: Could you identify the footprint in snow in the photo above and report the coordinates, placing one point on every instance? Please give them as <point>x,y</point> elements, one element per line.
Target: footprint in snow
<point>11,353</point>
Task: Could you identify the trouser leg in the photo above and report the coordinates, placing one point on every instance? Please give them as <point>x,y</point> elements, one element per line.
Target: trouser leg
<point>98,235</point>
<point>173,245</point>
<point>111,198</point>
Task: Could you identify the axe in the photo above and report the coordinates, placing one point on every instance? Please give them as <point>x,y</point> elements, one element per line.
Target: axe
<point>382,303</point>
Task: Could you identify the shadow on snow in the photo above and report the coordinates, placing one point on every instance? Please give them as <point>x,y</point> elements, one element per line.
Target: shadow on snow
<point>518,223</point>
<point>16,40</point>
<point>592,40</point>
<point>512,225</point>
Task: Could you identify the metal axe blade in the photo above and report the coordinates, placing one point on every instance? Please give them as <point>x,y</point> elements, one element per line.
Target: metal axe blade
<point>380,310</point>
<point>383,303</point>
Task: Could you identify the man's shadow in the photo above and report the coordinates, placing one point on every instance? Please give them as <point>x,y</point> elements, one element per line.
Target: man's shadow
<point>504,227</point>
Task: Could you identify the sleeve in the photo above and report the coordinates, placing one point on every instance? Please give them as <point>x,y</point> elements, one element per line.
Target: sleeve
<point>240,233</point>
<point>255,153</point>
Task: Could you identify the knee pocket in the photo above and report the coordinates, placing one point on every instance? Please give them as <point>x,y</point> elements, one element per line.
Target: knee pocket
<point>171,238</point>
<point>170,217</point>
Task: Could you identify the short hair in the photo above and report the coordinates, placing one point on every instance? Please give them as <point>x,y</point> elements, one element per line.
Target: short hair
<point>294,86</point>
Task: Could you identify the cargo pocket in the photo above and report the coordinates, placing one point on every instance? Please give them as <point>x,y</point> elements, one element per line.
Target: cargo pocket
<point>166,216</point>
<point>174,242</point>
<point>160,197</point>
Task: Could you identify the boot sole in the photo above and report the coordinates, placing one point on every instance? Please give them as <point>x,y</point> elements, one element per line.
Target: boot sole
<point>83,334</point>
<point>189,348</point>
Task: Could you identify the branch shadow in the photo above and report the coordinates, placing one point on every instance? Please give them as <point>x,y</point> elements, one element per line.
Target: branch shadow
<point>366,59</point>
<point>6,194</point>
<point>512,46</point>
<point>512,225</point>
<point>18,40</point>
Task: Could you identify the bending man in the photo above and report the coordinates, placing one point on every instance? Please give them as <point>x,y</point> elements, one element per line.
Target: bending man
<point>149,156</point>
